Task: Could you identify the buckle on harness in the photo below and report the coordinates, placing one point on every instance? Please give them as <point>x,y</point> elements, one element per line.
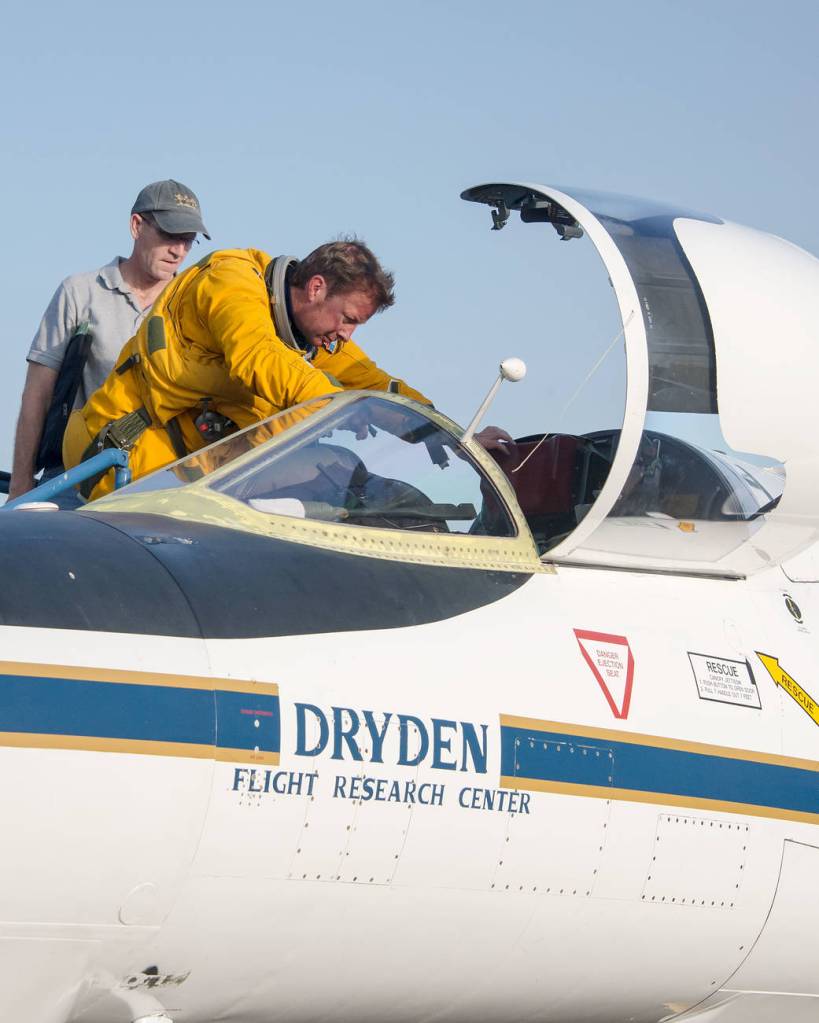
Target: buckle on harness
<point>124,432</point>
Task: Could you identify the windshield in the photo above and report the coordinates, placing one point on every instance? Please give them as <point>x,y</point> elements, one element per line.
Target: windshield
<point>373,463</point>
<point>364,461</point>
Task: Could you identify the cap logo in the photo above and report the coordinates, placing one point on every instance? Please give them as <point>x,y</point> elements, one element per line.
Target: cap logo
<point>186,200</point>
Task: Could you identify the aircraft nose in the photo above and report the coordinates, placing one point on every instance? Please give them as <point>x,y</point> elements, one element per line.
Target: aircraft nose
<point>73,571</point>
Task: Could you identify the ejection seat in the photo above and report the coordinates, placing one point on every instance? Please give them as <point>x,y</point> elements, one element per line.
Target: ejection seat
<point>544,475</point>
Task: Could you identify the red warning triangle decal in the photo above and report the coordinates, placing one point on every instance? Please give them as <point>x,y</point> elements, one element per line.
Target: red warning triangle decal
<point>612,664</point>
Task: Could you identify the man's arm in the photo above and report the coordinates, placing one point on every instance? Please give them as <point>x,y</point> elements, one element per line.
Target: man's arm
<point>44,360</point>
<point>353,368</point>
<point>39,387</point>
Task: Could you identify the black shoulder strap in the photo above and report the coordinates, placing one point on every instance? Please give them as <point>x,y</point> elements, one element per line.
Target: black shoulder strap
<point>50,452</point>
<point>174,431</point>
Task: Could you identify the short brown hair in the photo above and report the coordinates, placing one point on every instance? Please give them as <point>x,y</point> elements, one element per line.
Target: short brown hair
<point>347,265</point>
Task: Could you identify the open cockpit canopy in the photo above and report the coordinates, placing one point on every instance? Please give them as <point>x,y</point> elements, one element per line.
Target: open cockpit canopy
<point>715,466</point>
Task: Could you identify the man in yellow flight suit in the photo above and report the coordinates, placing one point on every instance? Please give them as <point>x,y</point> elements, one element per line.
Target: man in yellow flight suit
<point>231,341</point>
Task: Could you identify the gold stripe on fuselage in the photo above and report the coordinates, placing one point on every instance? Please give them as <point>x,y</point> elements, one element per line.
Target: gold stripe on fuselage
<point>137,678</point>
<point>141,747</point>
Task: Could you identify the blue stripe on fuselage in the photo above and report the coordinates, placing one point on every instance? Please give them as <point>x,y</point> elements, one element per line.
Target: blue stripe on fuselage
<point>105,709</point>
<point>139,712</point>
<point>552,756</point>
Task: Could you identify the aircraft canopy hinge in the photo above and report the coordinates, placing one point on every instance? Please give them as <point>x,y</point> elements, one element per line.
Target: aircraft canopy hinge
<point>500,215</point>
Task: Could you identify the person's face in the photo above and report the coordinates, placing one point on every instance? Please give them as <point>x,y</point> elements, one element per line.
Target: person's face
<point>158,253</point>
<point>325,320</point>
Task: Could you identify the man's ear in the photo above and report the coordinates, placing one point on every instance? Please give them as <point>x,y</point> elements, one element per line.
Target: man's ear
<point>316,288</point>
<point>136,225</point>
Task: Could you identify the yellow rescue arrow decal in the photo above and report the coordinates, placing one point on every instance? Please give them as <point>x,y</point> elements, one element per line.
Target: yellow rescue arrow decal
<point>791,686</point>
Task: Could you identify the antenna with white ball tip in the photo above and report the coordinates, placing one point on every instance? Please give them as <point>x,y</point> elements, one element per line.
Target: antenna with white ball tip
<point>510,369</point>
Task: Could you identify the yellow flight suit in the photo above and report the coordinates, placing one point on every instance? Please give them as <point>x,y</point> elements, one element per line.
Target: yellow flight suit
<point>210,334</point>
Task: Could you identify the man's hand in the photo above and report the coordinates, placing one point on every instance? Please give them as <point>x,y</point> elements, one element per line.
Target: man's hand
<point>496,440</point>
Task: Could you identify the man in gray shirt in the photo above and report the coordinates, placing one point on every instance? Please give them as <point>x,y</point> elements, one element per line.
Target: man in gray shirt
<point>112,301</point>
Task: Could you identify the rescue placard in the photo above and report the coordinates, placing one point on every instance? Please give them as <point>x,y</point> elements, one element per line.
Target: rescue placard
<point>724,680</point>
<point>612,664</point>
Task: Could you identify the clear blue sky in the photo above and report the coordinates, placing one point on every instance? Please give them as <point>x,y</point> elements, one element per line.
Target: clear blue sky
<point>296,122</point>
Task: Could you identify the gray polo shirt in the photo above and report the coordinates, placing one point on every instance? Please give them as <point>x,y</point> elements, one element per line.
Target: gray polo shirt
<point>102,299</point>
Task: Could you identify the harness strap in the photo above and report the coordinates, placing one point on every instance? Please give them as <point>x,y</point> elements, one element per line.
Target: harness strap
<point>174,432</point>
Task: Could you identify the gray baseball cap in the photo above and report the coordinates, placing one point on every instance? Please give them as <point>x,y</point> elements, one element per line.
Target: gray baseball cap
<point>173,205</point>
